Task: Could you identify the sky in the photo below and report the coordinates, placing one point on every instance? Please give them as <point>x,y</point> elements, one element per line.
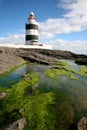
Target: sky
<point>62,23</point>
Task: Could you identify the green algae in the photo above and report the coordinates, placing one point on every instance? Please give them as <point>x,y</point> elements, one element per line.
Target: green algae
<point>83,70</point>
<point>42,110</point>
<point>62,63</point>
<point>2,89</point>
<point>50,110</point>
<point>64,69</point>
<point>73,76</point>
<point>36,107</point>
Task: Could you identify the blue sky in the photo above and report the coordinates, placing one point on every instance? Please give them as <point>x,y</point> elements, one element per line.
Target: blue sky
<point>62,23</point>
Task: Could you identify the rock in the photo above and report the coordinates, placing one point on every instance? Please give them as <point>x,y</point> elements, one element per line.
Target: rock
<point>82,125</point>
<point>21,110</point>
<point>26,77</point>
<point>2,95</point>
<point>39,58</point>
<point>34,86</point>
<point>18,125</point>
<point>82,61</point>
<point>11,57</point>
<point>48,56</point>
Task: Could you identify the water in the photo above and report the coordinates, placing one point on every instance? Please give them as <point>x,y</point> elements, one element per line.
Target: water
<point>15,76</point>
<point>76,90</point>
<point>12,78</point>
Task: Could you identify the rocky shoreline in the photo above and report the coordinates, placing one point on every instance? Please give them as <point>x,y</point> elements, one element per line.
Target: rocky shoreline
<point>11,57</point>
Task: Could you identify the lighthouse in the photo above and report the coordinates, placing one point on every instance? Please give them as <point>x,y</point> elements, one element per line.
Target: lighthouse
<point>31,31</point>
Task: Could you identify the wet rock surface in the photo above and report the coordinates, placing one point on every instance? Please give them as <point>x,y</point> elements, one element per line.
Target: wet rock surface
<point>11,57</point>
<point>35,55</point>
<point>2,95</point>
<point>82,61</point>
<point>82,125</point>
<point>26,77</point>
<point>17,125</point>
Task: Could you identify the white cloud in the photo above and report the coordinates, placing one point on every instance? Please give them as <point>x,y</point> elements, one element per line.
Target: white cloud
<point>12,38</point>
<point>76,8</point>
<point>73,21</point>
<point>79,47</point>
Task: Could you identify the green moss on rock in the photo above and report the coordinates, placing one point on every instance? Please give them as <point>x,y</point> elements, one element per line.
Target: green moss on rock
<point>83,70</point>
<point>35,107</point>
<point>62,69</point>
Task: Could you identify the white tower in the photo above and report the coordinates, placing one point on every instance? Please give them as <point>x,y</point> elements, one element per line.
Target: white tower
<point>31,30</point>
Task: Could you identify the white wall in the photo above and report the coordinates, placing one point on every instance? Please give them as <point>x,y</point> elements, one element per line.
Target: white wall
<point>27,46</point>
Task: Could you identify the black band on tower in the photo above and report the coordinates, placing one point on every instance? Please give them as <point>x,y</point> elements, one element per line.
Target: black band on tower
<point>31,26</point>
<point>30,37</point>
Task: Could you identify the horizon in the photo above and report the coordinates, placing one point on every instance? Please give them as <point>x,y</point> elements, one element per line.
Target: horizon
<point>62,23</point>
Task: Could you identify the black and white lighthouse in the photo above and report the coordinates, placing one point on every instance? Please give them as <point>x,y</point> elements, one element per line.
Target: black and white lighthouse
<point>31,30</point>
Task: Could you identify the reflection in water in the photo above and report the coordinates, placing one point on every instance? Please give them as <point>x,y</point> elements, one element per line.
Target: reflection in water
<point>13,77</point>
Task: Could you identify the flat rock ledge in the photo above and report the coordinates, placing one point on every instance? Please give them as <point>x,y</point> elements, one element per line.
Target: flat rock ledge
<point>82,125</point>
<point>11,57</point>
<point>82,61</point>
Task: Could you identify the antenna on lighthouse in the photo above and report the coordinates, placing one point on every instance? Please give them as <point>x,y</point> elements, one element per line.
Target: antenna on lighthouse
<point>31,30</point>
